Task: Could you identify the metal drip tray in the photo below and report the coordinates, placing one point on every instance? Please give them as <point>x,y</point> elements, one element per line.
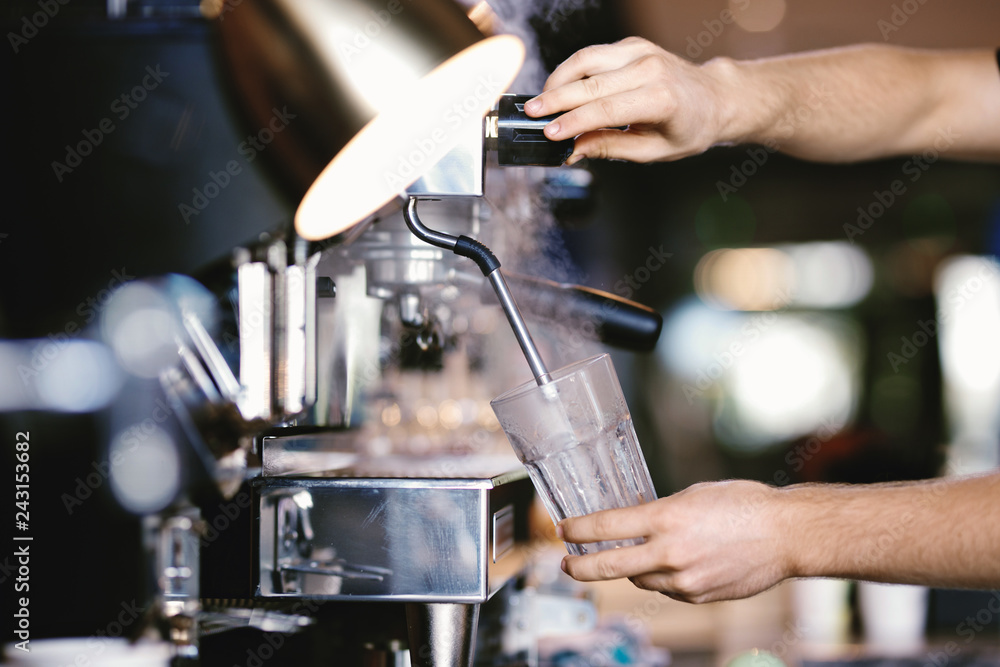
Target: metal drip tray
<point>413,529</point>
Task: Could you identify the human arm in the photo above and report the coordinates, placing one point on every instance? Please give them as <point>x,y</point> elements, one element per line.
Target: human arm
<point>837,105</point>
<point>729,540</point>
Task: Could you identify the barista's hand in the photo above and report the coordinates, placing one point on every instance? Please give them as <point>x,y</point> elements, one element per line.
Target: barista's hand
<point>837,105</point>
<point>714,541</point>
<point>672,107</point>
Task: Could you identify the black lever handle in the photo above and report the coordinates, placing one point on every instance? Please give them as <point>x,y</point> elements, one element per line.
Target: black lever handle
<point>617,321</point>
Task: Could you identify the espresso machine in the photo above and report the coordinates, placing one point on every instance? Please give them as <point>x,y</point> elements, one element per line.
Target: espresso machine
<point>321,465</point>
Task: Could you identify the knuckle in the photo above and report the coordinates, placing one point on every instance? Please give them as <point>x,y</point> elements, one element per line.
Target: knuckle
<point>603,522</point>
<point>652,64</point>
<point>635,41</point>
<point>687,584</point>
<point>593,87</point>
<point>600,150</point>
<point>607,108</point>
<point>606,569</point>
<point>659,516</point>
<point>664,98</point>
<point>644,583</point>
<point>588,54</point>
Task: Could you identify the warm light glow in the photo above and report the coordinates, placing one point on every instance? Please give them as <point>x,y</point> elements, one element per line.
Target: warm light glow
<point>377,72</point>
<point>408,136</point>
<point>758,15</point>
<point>744,278</point>
<point>427,416</point>
<point>392,415</point>
<point>806,275</point>
<point>484,17</point>
<point>450,414</point>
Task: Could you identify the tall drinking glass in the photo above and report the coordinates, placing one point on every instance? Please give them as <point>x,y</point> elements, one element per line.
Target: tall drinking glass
<point>575,436</point>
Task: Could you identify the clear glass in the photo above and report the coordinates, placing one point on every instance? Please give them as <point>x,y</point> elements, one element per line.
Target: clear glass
<point>575,436</point>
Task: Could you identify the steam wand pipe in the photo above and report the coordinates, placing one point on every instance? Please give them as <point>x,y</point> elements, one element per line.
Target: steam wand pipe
<point>490,266</point>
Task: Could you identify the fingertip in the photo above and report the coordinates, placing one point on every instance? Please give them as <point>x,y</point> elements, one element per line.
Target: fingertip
<point>574,158</point>
<point>562,565</point>
<point>552,130</point>
<point>533,107</point>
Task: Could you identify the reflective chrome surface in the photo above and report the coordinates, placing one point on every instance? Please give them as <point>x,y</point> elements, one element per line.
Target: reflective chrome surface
<point>277,334</point>
<point>459,172</point>
<point>418,529</point>
<point>442,635</point>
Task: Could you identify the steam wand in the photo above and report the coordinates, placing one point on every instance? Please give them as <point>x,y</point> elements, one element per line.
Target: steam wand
<point>490,266</point>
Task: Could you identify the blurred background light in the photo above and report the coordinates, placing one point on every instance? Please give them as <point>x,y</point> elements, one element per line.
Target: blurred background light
<point>969,307</point>
<point>145,468</point>
<point>802,374</point>
<point>829,274</point>
<point>807,275</point>
<point>773,376</point>
<point>142,323</point>
<point>57,374</point>
<point>968,326</point>
<point>758,15</point>
<point>745,278</point>
<point>692,334</point>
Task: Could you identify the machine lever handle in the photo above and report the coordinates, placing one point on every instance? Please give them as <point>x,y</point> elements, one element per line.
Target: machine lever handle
<point>616,321</point>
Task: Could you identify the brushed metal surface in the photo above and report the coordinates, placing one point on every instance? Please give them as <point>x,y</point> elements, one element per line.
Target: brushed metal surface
<point>374,536</point>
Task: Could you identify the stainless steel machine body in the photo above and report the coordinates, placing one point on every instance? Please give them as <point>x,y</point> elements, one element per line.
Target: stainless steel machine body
<point>391,347</point>
<point>442,531</point>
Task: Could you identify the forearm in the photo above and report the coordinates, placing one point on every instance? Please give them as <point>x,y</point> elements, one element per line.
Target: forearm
<point>864,102</point>
<point>942,532</point>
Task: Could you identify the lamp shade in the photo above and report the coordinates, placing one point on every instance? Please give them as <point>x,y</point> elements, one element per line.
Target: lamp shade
<point>380,90</point>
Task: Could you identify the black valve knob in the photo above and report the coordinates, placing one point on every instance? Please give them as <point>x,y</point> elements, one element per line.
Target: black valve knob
<point>518,138</point>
